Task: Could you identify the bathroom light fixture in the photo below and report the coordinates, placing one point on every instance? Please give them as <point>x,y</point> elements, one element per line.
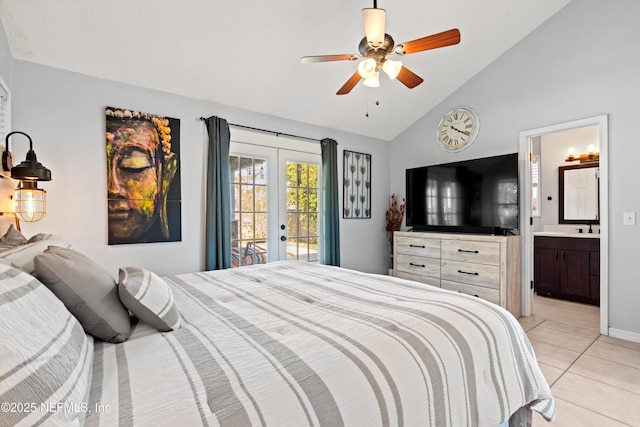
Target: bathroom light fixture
<point>589,157</point>
<point>30,200</point>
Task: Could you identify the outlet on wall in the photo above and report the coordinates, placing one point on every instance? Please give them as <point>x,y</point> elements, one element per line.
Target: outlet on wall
<point>629,218</point>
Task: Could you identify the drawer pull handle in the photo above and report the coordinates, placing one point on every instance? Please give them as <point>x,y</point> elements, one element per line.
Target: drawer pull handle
<point>417,246</point>
<point>467,252</point>
<point>417,265</point>
<point>466,272</point>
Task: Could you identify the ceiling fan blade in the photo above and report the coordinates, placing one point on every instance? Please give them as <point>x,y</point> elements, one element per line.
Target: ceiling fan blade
<point>409,78</point>
<point>328,58</point>
<point>350,84</point>
<point>434,41</point>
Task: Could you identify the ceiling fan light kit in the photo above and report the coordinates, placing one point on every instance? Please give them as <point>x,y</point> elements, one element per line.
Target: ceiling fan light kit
<point>367,68</point>
<point>373,81</point>
<point>375,47</point>
<point>392,68</point>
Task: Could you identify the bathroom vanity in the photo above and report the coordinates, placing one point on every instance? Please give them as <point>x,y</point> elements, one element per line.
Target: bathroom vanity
<point>567,266</point>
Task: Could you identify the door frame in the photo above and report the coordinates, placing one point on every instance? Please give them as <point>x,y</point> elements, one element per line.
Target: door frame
<point>285,155</point>
<point>526,232</point>
<point>273,147</point>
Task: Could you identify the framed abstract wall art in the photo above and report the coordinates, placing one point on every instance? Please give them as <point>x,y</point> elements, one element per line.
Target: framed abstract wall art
<point>143,177</point>
<point>356,193</point>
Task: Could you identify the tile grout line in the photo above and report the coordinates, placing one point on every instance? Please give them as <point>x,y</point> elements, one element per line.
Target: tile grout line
<point>576,359</point>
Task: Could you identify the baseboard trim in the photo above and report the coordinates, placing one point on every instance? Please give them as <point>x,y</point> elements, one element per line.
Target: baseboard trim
<point>624,335</point>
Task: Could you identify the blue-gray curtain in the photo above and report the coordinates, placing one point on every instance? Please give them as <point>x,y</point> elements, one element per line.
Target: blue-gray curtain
<point>330,203</point>
<point>218,209</point>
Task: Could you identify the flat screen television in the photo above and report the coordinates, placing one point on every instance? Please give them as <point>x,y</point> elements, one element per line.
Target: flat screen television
<point>471,196</point>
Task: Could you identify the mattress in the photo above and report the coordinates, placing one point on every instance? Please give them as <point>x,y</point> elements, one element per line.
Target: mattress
<point>300,344</point>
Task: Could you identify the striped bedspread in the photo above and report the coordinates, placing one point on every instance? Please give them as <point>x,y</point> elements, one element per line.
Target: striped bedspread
<point>300,344</point>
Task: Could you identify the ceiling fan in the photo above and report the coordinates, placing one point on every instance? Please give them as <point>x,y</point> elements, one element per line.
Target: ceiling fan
<point>375,47</point>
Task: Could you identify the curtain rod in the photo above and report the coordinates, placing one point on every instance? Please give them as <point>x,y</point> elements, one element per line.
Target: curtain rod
<point>270,131</point>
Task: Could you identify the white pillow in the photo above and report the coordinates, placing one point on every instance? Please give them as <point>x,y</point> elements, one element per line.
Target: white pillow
<point>22,256</point>
<point>46,356</point>
<point>149,298</point>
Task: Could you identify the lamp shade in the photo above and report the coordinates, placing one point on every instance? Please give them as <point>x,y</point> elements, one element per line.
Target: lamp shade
<point>373,81</point>
<point>31,169</point>
<point>374,21</point>
<point>367,68</point>
<point>392,68</point>
<point>31,202</point>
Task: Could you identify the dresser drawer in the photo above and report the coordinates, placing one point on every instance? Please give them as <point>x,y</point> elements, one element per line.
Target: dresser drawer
<point>491,295</point>
<point>417,265</point>
<point>470,251</point>
<point>433,281</point>
<point>484,275</point>
<point>418,246</point>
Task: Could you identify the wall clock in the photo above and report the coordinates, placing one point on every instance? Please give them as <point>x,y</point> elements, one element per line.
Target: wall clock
<point>458,129</point>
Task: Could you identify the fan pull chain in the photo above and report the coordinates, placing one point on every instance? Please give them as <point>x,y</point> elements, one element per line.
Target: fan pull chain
<point>367,104</point>
<point>366,114</point>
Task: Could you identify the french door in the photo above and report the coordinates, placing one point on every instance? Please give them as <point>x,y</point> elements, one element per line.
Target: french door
<point>275,204</point>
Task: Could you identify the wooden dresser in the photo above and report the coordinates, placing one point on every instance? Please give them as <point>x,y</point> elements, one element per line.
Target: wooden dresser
<point>482,265</point>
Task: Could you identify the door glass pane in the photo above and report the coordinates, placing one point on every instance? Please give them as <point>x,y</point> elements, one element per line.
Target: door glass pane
<point>302,204</point>
<point>292,223</point>
<point>249,210</point>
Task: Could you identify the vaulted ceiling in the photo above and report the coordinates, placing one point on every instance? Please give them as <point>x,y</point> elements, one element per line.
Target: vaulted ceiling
<point>246,53</point>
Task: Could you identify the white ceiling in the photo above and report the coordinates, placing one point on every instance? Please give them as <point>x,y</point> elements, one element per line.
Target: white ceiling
<point>246,53</point>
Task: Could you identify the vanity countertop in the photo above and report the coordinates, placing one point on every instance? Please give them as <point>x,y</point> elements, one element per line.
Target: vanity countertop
<point>563,234</point>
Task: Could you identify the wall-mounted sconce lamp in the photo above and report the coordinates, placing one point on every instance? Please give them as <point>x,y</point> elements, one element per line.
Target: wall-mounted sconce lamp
<point>31,201</point>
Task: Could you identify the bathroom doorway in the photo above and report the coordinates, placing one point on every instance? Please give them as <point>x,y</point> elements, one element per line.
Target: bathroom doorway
<point>528,140</point>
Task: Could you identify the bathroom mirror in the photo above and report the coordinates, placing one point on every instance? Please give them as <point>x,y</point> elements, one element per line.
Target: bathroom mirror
<point>579,192</point>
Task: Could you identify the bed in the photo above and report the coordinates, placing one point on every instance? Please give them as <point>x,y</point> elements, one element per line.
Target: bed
<point>280,344</point>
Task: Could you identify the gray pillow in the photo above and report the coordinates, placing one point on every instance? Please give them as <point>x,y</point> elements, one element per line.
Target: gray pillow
<point>149,298</point>
<point>12,238</point>
<point>87,290</point>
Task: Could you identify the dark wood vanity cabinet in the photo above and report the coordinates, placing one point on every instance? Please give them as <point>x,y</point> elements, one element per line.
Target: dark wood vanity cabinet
<point>567,268</point>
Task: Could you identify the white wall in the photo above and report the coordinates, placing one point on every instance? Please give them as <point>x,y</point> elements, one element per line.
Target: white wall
<point>553,151</point>
<point>5,58</point>
<point>582,62</point>
<point>64,114</point>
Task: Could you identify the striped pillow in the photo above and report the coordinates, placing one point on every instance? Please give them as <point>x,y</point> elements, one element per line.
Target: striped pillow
<point>23,256</point>
<point>149,298</point>
<point>46,355</point>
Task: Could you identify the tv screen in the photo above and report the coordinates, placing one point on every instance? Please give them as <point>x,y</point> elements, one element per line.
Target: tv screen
<point>473,196</point>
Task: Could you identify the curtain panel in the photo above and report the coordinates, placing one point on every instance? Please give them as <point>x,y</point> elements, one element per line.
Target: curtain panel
<point>330,254</point>
<point>218,207</point>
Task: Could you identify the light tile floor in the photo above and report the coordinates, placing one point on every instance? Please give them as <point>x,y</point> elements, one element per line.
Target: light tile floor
<point>595,379</point>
